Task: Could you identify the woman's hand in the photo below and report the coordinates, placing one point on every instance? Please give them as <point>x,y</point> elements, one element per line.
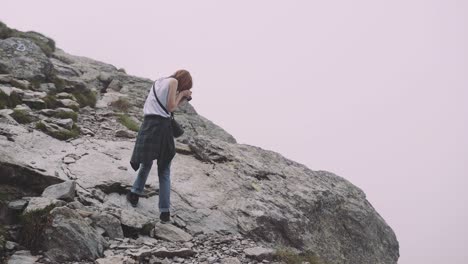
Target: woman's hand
<point>186,93</point>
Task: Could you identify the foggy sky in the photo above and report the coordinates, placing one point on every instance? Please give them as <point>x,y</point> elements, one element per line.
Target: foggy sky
<point>374,91</point>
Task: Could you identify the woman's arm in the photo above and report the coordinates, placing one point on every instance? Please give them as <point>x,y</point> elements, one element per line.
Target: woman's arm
<point>174,99</point>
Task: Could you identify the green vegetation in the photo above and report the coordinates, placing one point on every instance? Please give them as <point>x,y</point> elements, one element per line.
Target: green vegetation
<point>64,115</point>
<point>51,101</point>
<point>88,98</point>
<point>34,223</point>
<point>290,257</point>
<point>62,134</point>
<point>146,229</point>
<point>21,116</point>
<point>9,101</point>
<point>121,104</point>
<point>128,122</point>
<point>41,126</point>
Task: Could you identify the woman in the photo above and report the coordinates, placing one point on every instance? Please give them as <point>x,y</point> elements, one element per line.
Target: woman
<point>155,139</point>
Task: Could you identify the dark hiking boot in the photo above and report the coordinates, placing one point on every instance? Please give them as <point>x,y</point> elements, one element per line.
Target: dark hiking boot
<point>132,198</point>
<point>165,217</point>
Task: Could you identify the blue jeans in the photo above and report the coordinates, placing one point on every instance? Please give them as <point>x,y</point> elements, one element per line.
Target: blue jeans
<point>164,184</point>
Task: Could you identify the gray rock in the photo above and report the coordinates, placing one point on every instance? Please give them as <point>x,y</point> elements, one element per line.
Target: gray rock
<point>125,133</point>
<point>47,88</point>
<point>133,219</point>
<point>259,253</point>
<point>39,203</point>
<point>9,245</point>
<point>116,259</point>
<point>35,103</point>
<point>6,90</point>
<point>6,112</point>
<point>230,261</point>
<point>56,112</point>
<point>64,95</point>
<point>66,123</point>
<point>71,238</point>
<point>105,77</point>
<point>108,98</point>
<point>69,103</point>
<point>8,79</point>
<point>23,107</point>
<point>18,205</point>
<point>51,128</point>
<point>75,205</point>
<point>23,257</point>
<point>115,85</point>
<point>62,191</point>
<point>171,233</point>
<point>23,59</point>
<point>34,95</point>
<point>86,131</point>
<point>110,224</point>
<point>182,253</point>
<point>68,160</point>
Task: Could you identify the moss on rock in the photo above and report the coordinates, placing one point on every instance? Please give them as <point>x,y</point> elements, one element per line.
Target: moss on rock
<point>88,98</point>
<point>51,102</point>
<point>65,115</point>
<point>33,224</point>
<point>21,116</point>
<point>9,101</point>
<point>290,257</point>
<point>128,122</point>
<point>62,134</point>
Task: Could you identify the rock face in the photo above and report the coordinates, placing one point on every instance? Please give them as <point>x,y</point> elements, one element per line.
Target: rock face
<point>24,59</point>
<point>218,185</point>
<point>69,237</point>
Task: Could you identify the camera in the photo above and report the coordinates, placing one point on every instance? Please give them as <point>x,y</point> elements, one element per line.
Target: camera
<point>188,98</point>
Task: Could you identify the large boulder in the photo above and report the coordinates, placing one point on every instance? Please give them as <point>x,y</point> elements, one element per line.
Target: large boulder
<point>62,191</point>
<point>70,237</point>
<point>23,59</point>
<point>171,233</point>
<point>39,203</point>
<point>110,224</point>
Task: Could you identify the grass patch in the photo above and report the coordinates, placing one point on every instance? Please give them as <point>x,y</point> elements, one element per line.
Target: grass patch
<point>63,134</point>
<point>290,257</point>
<point>128,122</point>
<point>121,104</point>
<point>34,223</point>
<point>146,229</point>
<point>65,115</point>
<point>51,102</point>
<point>88,98</point>
<point>21,116</point>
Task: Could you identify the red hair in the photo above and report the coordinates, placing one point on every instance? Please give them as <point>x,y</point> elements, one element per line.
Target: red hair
<point>184,80</point>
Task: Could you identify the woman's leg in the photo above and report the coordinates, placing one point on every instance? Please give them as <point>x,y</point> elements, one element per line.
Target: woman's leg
<point>165,189</point>
<point>139,184</point>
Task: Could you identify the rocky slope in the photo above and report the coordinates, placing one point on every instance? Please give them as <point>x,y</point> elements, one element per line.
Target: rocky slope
<point>65,143</point>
